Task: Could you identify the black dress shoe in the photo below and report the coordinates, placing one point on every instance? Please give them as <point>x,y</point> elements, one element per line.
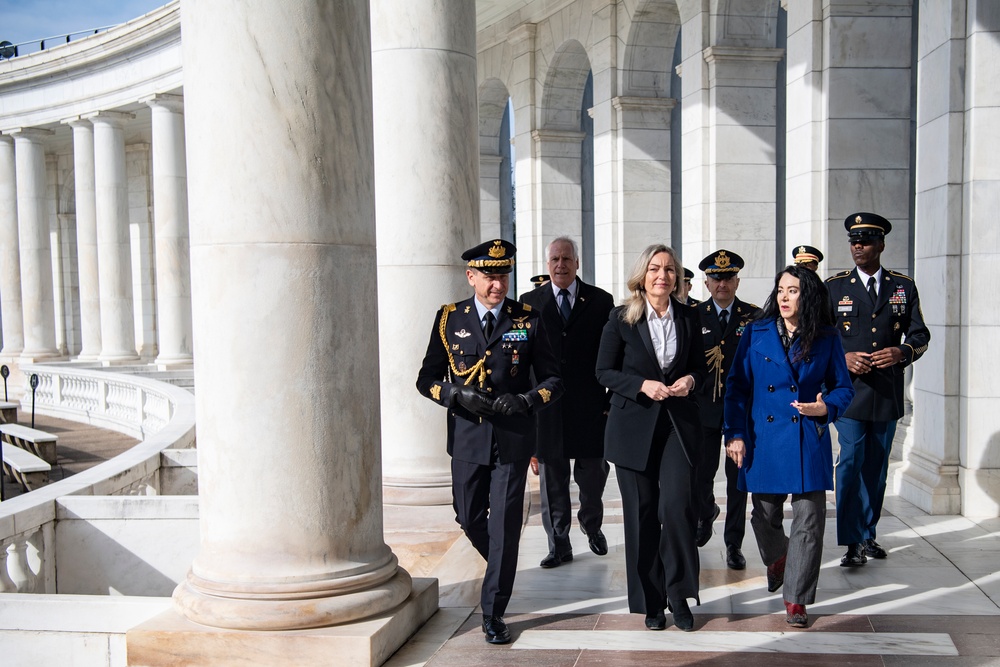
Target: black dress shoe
<point>776,574</point>
<point>683,618</point>
<point>496,630</point>
<point>598,543</point>
<point>555,559</point>
<point>735,559</point>
<point>855,556</point>
<point>704,531</point>
<point>874,550</point>
<point>657,621</point>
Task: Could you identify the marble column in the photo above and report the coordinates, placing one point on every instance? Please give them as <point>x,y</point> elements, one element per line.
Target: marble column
<point>170,215</point>
<point>557,202</point>
<point>282,212</point>
<point>114,251</point>
<point>10,255</point>
<point>524,90</point>
<point>427,198</point>
<point>489,196</point>
<point>35,245</point>
<point>86,239</point>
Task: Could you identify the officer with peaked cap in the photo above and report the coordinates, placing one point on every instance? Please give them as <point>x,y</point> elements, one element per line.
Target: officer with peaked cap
<point>807,256</point>
<point>723,318</point>
<point>540,279</point>
<point>882,329</point>
<point>686,288</point>
<point>487,364</point>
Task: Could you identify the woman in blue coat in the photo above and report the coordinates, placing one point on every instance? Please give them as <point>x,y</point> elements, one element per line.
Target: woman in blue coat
<point>788,383</point>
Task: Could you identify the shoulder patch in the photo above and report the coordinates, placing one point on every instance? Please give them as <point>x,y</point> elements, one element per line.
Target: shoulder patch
<point>897,274</point>
<point>525,307</point>
<point>842,274</point>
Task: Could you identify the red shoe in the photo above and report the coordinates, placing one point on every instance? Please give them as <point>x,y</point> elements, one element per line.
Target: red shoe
<point>775,575</point>
<point>795,615</point>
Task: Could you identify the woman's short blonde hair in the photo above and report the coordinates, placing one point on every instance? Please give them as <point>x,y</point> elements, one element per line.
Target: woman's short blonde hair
<point>635,302</point>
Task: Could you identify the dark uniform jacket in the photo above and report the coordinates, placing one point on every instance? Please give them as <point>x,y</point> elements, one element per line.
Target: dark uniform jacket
<point>626,359</point>
<point>459,354</point>
<point>720,349</point>
<point>865,327</point>
<point>574,426</point>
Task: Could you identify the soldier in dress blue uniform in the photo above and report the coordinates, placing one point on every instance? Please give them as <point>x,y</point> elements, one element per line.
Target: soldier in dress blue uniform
<point>723,319</point>
<point>686,288</point>
<point>487,364</point>
<point>807,256</point>
<point>875,309</point>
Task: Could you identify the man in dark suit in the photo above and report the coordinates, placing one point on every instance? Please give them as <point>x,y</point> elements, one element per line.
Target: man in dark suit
<point>875,309</point>
<point>573,316</point>
<point>480,360</point>
<point>807,256</point>
<point>723,319</point>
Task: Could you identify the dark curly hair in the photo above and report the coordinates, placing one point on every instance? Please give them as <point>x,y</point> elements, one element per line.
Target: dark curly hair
<point>816,319</point>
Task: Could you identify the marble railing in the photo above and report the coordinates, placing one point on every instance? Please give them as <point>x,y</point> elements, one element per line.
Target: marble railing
<point>159,414</point>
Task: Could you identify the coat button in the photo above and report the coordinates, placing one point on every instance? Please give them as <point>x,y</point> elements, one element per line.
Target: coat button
<point>874,330</point>
<point>795,419</point>
<point>770,387</point>
<point>770,418</point>
<point>488,353</point>
<point>874,344</point>
<point>793,388</point>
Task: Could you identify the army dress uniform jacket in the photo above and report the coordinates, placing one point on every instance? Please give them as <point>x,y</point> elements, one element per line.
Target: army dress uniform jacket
<point>867,327</point>
<point>459,354</point>
<point>574,427</point>
<point>720,350</point>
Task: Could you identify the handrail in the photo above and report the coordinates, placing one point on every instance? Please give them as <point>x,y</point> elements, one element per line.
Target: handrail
<point>14,50</point>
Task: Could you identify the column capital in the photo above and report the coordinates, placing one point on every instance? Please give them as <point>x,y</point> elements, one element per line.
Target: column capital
<point>643,103</point>
<point>77,121</point>
<point>116,118</point>
<point>742,54</point>
<point>557,136</point>
<point>29,133</point>
<point>167,101</point>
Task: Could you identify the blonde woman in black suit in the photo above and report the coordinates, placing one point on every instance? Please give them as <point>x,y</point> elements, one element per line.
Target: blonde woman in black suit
<point>651,359</point>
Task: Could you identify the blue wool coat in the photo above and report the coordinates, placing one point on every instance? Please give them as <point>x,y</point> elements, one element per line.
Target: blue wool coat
<point>785,452</point>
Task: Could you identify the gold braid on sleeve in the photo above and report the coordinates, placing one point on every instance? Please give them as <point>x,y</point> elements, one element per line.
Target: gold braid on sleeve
<point>479,366</point>
<point>713,359</point>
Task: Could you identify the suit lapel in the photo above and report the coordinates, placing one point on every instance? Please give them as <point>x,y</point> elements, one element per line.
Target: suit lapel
<point>642,328</point>
<point>770,346</point>
<point>582,300</point>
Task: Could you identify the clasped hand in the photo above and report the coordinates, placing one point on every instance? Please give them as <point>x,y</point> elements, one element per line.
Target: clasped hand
<point>474,401</point>
<point>658,391</point>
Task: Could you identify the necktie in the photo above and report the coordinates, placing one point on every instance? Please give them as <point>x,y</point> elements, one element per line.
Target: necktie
<point>724,319</point>
<point>564,307</point>
<point>490,317</point>
<point>871,289</point>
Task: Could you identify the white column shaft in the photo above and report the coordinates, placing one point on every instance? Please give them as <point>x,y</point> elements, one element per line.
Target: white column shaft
<point>284,313</point>
<point>10,254</point>
<point>427,171</point>
<point>113,242</point>
<point>35,245</point>
<point>170,215</point>
<point>86,239</point>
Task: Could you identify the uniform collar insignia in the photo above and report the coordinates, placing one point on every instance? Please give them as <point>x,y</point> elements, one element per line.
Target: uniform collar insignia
<point>463,333</point>
<point>518,320</point>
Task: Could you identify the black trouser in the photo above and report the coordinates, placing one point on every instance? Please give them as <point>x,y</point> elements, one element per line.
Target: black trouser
<point>591,475</point>
<point>704,488</point>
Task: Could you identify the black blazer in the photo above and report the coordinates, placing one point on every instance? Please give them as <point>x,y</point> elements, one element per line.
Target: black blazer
<point>626,359</point>
<point>514,355</point>
<point>574,426</point>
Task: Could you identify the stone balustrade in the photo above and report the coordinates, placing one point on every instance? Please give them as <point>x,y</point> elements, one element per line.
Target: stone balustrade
<point>158,413</point>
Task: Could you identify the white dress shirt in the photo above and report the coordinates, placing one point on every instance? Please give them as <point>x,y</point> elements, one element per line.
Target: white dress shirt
<point>864,278</point>
<point>664,334</point>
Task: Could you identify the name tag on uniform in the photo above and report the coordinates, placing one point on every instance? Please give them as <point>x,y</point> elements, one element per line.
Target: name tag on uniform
<point>845,305</point>
<point>515,335</point>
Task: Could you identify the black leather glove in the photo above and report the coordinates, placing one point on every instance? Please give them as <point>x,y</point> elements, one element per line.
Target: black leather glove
<point>474,401</point>
<point>510,404</point>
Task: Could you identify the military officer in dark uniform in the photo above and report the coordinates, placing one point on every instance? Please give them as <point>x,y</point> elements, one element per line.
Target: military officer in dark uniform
<point>573,316</point>
<point>807,256</point>
<point>875,309</point>
<point>686,288</point>
<point>479,364</point>
<point>723,318</point>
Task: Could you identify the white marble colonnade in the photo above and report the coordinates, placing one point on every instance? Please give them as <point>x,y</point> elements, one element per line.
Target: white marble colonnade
<point>283,251</point>
<point>427,191</point>
<point>10,254</point>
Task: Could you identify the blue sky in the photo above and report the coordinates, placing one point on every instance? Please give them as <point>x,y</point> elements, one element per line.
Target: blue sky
<point>26,20</point>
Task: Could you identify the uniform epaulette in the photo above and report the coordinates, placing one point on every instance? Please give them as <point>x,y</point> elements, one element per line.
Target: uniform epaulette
<point>897,274</point>
<point>842,274</point>
<point>525,307</point>
<point>450,307</point>
<point>755,306</point>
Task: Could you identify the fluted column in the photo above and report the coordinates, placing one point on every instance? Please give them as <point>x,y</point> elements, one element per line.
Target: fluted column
<point>35,246</point>
<point>427,175</point>
<point>170,217</point>
<point>86,239</point>
<point>283,295</point>
<point>10,254</point>
<point>113,245</point>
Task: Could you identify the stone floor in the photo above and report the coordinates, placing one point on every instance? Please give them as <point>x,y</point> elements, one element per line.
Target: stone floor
<point>934,601</point>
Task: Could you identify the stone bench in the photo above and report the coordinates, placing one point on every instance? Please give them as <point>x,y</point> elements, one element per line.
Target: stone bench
<point>39,443</point>
<point>24,467</point>
<point>8,412</point>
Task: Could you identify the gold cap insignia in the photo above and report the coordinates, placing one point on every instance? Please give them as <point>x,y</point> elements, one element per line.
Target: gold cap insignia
<point>858,219</point>
<point>497,251</point>
<point>802,250</point>
<point>722,260</point>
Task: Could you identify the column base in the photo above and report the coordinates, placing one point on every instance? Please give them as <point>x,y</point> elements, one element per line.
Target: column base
<point>119,361</point>
<point>980,491</point>
<point>170,639</point>
<point>173,363</point>
<point>418,492</point>
<point>929,484</point>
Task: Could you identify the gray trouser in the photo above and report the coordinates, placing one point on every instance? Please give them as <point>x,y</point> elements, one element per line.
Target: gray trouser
<point>803,548</point>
